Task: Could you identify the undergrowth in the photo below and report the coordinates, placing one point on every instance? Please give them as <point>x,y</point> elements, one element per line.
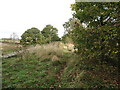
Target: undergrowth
<point>49,66</point>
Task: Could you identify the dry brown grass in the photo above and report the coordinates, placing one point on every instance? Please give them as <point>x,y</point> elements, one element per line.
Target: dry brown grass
<point>53,51</point>
<point>47,50</point>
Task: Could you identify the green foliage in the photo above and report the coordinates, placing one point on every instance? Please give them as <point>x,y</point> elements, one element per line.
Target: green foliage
<point>50,33</point>
<point>101,37</point>
<point>32,36</point>
<point>66,25</point>
<point>97,14</point>
<point>67,39</point>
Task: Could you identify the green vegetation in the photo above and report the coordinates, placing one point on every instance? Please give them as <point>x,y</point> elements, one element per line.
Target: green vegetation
<point>50,34</point>
<point>35,36</point>
<point>32,36</point>
<point>88,58</point>
<point>52,67</point>
<point>100,38</point>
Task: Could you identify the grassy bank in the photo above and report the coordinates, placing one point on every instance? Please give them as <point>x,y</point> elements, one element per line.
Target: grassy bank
<point>50,66</point>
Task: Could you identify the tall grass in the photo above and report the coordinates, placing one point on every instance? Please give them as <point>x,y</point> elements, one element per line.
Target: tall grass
<point>47,50</point>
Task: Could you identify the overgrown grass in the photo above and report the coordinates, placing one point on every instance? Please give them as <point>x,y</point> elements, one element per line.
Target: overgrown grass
<point>48,66</point>
<point>82,73</point>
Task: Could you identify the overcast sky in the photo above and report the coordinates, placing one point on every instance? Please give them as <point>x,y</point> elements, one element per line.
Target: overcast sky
<point>19,15</point>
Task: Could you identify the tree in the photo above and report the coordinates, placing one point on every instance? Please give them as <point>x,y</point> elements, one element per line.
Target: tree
<point>68,27</point>
<point>32,36</point>
<point>97,14</point>
<point>101,37</point>
<point>50,33</point>
<point>66,38</point>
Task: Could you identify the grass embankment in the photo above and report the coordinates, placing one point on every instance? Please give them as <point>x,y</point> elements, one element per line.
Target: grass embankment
<point>49,66</point>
